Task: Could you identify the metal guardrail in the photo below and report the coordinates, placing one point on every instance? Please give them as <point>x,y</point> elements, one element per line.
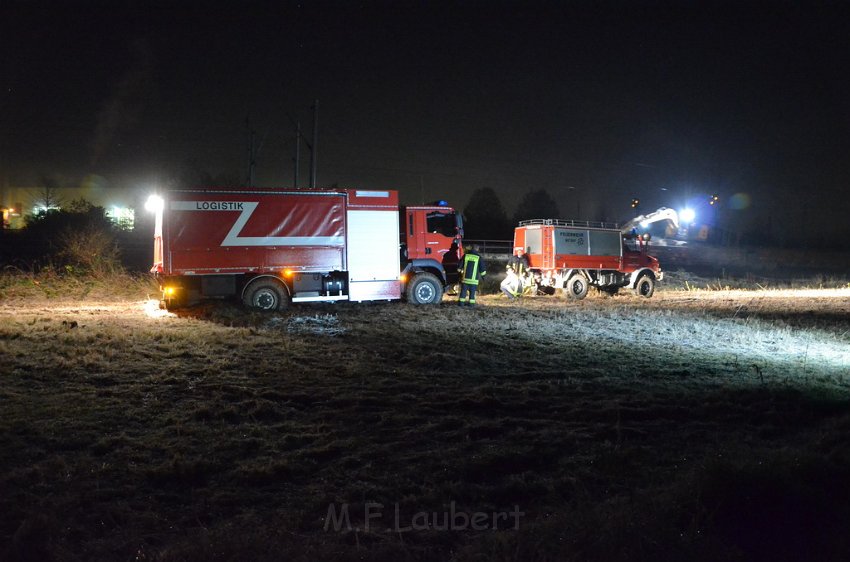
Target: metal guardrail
<point>494,247</point>
<point>561,222</point>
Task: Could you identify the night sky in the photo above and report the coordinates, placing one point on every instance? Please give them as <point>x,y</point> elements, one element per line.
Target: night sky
<point>596,102</point>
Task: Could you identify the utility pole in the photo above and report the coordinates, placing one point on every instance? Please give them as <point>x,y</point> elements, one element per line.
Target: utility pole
<point>312,146</point>
<point>297,153</point>
<point>315,148</point>
<point>251,154</point>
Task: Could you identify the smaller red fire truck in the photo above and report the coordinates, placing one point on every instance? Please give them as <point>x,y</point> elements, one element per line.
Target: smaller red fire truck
<point>575,255</point>
<point>270,247</point>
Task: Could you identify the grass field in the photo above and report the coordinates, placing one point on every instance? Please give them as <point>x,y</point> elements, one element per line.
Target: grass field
<point>696,425</point>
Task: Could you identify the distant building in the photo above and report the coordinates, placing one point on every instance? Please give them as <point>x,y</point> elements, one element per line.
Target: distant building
<point>121,204</point>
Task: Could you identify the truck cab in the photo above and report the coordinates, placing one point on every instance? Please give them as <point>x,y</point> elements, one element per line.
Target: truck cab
<point>431,245</point>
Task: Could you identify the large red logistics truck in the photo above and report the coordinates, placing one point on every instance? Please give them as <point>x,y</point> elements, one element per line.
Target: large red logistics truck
<point>270,247</point>
<point>575,255</point>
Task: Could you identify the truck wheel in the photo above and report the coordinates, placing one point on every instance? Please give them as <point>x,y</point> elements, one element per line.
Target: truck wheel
<point>645,286</point>
<point>576,286</point>
<point>265,294</point>
<point>424,288</point>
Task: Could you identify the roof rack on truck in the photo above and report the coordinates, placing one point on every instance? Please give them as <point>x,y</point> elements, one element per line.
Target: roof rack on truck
<point>562,222</point>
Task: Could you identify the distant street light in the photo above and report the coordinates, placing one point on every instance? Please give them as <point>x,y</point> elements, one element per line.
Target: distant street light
<point>714,200</point>
<point>635,203</point>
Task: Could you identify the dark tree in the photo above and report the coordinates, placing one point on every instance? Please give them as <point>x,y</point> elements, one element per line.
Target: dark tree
<point>537,205</point>
<point>79,237</point>
<point>48,199</point>
<point>485,217</point>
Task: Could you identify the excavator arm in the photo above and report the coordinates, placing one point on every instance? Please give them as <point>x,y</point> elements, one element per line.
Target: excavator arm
<point>642,222</point>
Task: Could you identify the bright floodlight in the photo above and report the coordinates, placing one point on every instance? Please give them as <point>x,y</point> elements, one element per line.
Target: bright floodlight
<point>154,204</point>
<point>687,215</point>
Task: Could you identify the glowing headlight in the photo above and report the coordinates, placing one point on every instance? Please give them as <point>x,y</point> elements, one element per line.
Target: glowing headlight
<point>154,204</point>
<point>687,215</point>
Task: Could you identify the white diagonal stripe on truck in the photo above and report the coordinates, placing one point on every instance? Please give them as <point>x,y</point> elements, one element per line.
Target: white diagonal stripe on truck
<point>246,209</point>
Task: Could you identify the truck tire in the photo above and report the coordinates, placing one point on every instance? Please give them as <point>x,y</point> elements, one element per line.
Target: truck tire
<point>424,288</point>
<point>576,286</point>
<point>266,294</point>
<point>645,286</point>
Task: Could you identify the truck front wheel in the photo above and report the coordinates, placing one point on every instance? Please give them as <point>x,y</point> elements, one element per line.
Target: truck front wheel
<point>645,286</point>
<point>265,294</point>
<point>576,286</point>
<point>424,288</point>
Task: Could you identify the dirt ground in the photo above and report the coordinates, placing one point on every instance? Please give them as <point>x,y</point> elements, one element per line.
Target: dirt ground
<point>699,425</point>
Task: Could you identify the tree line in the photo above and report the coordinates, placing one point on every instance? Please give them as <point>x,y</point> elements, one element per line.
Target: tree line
<point>485,218</point>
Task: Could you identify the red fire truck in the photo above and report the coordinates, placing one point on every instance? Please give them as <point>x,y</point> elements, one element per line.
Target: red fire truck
<point>270,247</point>
<point>574,255</point>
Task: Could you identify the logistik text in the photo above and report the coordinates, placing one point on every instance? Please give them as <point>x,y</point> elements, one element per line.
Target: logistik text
<point>218,205</point>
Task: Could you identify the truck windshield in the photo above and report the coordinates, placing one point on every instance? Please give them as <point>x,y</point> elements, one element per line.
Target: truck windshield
<point>442,223</point>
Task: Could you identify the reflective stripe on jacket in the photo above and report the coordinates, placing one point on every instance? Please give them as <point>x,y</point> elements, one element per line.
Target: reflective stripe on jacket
<point>473,268</point>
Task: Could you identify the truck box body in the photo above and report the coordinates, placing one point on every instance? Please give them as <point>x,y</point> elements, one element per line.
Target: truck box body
<point>217,232</point>
<point>564,247</point>
<point>300,233</point>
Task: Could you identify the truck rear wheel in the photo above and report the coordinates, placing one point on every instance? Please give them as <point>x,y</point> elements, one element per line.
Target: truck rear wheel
<point>645,286</point>
<point>576,286</point>
<point>266,294</point>
<point>424,288</point>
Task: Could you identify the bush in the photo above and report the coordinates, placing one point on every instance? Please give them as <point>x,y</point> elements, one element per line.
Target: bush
<point>76,239</point>
<point>91,249</point>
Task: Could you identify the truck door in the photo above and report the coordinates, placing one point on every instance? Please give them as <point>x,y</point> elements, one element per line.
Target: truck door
<point>430,233</point>
<point>441,229</point>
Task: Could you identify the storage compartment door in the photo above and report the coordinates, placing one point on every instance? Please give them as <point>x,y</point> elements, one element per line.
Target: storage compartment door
<point>571,242</point>
<point>606,243</point>
<point>373,255</point>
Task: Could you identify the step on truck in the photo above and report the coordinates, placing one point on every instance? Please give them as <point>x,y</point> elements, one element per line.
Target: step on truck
<point>270,247</point>
<point>576,255</point>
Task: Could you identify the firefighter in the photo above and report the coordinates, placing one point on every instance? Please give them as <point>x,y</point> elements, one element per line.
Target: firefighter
<point>511,286</point>
<point>472,268</point>
<point>519,261</point>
